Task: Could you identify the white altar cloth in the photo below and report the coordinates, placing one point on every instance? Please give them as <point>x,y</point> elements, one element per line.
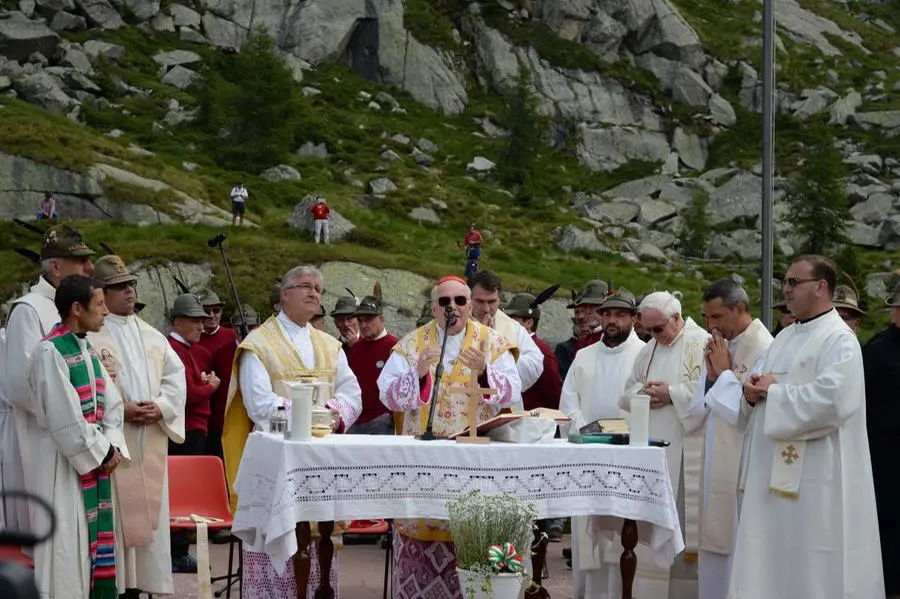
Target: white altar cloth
<point>343,477</point>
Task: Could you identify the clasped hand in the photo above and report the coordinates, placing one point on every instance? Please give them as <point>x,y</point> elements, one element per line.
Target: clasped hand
<point>716,356</point>
<point>756,388</point>
<point>658,392</point>
<point>142,412</point>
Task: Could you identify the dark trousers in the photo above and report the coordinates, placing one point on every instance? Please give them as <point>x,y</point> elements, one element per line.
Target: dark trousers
<point>214,444</point>
<point>194,444</point>
<point>382,425</point>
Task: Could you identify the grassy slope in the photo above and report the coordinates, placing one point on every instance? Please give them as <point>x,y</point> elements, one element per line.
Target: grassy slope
<point>520,247</point>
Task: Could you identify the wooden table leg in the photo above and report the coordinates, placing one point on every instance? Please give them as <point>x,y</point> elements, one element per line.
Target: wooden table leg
<point>301,559</point>
<point>538,559</point>
<point>325,549</point>
<point>628,562</point>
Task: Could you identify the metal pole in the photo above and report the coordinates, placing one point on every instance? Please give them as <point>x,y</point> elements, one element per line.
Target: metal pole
<point>768,170</point>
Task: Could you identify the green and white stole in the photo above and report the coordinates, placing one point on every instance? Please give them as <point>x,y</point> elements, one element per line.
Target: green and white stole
<point>95,485</point>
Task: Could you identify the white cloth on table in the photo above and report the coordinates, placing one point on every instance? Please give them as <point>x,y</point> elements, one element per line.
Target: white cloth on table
<point>343,477</point>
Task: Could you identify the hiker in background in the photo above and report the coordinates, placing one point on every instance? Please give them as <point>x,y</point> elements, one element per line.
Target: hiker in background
<point>47,208</point>
<point>321,213</point>
<point>238,203</point>
<point>472,244</point>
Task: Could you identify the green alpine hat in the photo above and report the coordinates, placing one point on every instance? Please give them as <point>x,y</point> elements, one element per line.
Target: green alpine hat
<point>521,305</point>
<point>250,316</point>
<point>62,241</point>
<point>845,297</point>
<point>275,295</point>
<point>370,306</point>
<point>622,298</point>
<point>188,306</point>
<point>209,299</point>
<point>111,270</point>
<point>345,306</point>
<point>594,293</point>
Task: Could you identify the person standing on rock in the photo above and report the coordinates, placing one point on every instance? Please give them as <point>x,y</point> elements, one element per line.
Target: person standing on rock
<point>47,208</point>
<point>238,203</point>
<point>322,214</point>
<point>472,244</point>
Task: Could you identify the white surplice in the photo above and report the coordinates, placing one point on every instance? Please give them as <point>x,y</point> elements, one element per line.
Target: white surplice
<point>261,402</point>
<point>678,364</point>
<point>591,391</point>
<point>61,445</point>
<point>149,370</point>
<point>720,403</point>
<point>823,543</point>
<point>32,317</point>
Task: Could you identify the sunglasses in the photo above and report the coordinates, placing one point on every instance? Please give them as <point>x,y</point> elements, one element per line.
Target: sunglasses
<point>459,300</point>
<point>122,286</point>
<point>793,282</point>
<point>213,310</point>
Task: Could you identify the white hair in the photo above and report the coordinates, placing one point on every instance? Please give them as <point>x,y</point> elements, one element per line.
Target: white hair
<point>307,270</point>
<point>661,301</point>
<point>46,265</point>
<point>434,291</point>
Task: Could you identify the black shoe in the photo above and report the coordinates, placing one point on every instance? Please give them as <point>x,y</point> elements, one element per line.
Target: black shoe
<point>131,594</point>
<point>569,564</point>
<point>222,537</point>
<point>186,564</point>
<point>567,552</point>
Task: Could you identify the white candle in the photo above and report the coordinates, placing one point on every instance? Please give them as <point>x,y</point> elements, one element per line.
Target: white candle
<point>301,411</point>
<point>639,422</point>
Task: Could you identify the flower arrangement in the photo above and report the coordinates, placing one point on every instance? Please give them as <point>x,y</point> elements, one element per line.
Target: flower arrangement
<point>486,531</point>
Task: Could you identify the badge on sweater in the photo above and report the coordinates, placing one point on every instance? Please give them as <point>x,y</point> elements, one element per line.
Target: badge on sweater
<point>379,364</point>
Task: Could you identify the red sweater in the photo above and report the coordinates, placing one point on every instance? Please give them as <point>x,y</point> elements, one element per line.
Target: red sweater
<point>320,211</point>
<point>196,411</point>
<point>366,359</point>
<point>589,340</point>
<point>546,391</point>
<point>222,345</point>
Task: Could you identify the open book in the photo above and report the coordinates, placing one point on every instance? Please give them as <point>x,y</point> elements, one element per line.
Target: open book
<point>500,420</point>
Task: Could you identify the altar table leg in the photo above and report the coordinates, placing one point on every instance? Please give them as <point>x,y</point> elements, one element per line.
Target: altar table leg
<point>326,553</point>
<point>538,558</point>
<point>301,558</point>
<point>628,562</point>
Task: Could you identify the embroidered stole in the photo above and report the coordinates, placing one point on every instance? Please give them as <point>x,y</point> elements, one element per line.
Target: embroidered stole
<point>95,486</point>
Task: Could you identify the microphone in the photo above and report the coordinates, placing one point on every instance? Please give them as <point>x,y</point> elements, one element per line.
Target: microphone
<point>218,239</point>
<point>449,316</point>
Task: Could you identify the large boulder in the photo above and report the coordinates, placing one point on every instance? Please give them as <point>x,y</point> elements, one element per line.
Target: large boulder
<point>101,13</point>
<point>23,183</point>
<point>20,37</point>
<point>608,148</point>
<point>281,172</point>
<point>572,239</point>
<point>45,90</point>
<point>301,218</point>
<point>184,58</point>
<point>739,197</point>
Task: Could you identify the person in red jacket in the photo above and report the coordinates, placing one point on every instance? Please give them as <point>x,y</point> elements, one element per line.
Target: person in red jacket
<point>525,309</point>
<point>220,342</point>
<point>187,317</point>
<point>321,213</point>
<point>366,359</point>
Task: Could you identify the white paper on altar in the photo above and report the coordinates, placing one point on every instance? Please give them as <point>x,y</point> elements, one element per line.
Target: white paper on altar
<point>343,477</point>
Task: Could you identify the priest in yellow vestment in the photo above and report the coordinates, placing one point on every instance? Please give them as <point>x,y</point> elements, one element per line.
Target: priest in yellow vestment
<point>424,559</point>
<point>283,349</point>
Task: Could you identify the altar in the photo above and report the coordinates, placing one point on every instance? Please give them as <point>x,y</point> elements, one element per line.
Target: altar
<point>282,485</point>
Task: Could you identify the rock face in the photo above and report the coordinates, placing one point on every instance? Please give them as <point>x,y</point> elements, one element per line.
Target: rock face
<point>20,37</point>
<point>157,289</point>
<point>23,183</point>
<point>301,218</point>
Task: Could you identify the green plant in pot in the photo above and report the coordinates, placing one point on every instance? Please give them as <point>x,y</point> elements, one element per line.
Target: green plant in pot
<point>492,536</point>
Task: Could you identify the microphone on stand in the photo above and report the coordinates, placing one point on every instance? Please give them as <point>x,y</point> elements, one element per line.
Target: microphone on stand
<point>218,239</point>
<point>450,320</point>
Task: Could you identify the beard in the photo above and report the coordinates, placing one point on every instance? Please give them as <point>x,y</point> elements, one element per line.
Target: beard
<point>618,337</point>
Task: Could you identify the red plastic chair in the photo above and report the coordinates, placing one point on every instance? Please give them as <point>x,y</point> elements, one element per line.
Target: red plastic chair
<point>383,529</point>
<point>15,554</point>
<point>197,486</point>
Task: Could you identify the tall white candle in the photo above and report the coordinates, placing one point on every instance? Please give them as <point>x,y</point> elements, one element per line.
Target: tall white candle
<point>639,421</point>
<point>301,411</point>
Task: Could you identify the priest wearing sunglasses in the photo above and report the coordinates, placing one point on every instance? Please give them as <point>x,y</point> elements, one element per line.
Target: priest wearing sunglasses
<point>405,386</point>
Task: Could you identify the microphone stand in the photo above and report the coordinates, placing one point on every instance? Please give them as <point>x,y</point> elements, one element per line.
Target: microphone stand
<point>429,435</point>
<point>217,241</point>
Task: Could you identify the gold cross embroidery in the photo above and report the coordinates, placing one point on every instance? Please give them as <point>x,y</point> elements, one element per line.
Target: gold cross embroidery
<point>790,455</point>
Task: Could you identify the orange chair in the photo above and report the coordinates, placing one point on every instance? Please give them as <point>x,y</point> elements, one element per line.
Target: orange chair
<point>383,529</point>
<point>197,486</point>
<point>15,554</point>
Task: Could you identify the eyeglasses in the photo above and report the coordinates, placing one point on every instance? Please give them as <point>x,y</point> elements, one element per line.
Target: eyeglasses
<point>792,282</point>
<point>213,309</point>
<point>784,310</point>
<point>307,288</point>
<point>459,300</point>
<point>658,329</point>
<point>122,286</point>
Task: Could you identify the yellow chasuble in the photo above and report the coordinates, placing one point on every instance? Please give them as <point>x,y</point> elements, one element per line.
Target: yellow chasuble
<point>284,364</point>
<point>451,412</point>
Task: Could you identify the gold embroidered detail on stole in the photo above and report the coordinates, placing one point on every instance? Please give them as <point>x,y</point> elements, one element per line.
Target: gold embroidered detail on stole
<point>790,455</point>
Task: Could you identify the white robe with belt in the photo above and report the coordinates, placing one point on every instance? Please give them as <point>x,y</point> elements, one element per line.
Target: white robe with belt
<point>149,370</point>
<point>32,317</point>
<point>590,392</point>
<point>824,542</point>
<point>61,445</point>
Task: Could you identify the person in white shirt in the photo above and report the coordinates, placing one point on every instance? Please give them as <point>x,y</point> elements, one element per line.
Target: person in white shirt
<point>238,204</point>
<point>736,342</point>
<point>284,349</point>
<point>808,525</point>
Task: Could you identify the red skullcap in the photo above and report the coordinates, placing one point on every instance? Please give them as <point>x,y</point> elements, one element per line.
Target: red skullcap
<point>450,278</point>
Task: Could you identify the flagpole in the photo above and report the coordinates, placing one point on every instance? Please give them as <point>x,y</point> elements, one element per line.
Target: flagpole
<point>768,167</point>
